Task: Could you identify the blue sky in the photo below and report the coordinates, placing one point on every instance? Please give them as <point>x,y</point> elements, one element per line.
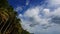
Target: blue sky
<point>38,16</point>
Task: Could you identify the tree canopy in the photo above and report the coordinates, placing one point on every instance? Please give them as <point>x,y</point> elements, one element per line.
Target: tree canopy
<point>9,24</point>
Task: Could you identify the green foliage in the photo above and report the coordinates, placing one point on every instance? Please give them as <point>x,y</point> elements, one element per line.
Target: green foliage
<point>8,15</point>
<point>3,3</point>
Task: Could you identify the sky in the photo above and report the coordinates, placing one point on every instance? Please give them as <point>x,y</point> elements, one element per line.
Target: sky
<point>38,16</point>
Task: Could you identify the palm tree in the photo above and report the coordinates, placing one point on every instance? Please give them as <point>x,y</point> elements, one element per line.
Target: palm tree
<point>9,24</point>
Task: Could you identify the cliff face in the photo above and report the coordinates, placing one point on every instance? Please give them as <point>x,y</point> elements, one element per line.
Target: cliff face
<point>9,24</point>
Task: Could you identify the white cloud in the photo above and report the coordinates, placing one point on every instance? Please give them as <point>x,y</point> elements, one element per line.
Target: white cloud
<point>56,2</point>
<point>42,16</point>
<point>56,12</point>
<point>53,3</point>
<point>32,12</point>
<point>20,15</point>
<point>46,11</point>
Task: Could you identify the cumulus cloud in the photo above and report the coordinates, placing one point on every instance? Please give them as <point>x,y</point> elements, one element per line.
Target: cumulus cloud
<point>40,20</point>
<point>32,19</point>
<point>57,12</point>
<point>32,11</point>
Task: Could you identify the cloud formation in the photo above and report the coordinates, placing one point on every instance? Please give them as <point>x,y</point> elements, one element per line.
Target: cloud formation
<point>41,20</point>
